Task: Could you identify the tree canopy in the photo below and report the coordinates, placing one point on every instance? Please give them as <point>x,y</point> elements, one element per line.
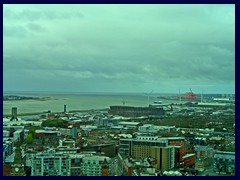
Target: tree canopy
<point>53,123</point>
<point>29,138</point>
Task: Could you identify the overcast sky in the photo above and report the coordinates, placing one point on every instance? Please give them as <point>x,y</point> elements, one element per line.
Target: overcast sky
<point>119,48</point>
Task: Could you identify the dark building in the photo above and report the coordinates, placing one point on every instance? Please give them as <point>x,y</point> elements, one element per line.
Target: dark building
<point>135,111</point>
<point>65,109</point>
<point>14,113</point>
<point>108,149</point>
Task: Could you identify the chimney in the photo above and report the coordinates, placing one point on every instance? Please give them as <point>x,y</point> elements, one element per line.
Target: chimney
<point>14,113</point>
<point>65,109</point>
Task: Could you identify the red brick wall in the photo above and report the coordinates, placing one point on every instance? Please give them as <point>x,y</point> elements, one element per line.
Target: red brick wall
<point>6,170</point>
<point>190,161</point>
<point>182,149</point>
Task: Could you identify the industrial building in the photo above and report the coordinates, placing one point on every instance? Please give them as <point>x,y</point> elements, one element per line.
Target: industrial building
<point>131,111</point>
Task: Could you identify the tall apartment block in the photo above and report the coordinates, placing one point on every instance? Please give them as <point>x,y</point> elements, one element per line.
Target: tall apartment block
<point>50,163</point>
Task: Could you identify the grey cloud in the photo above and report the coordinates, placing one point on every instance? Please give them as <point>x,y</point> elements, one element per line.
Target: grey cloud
<point>121,47</point>
<point>14,31</point>
<point>35,27</point>
<point>32,15</point>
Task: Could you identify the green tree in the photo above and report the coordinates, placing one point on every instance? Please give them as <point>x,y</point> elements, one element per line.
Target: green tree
<point>53,123</point>
<point>32,131</point>
<point>29,139</point>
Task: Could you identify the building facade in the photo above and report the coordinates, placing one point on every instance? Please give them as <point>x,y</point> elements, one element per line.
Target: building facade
<point>164,157</point>
<point>168,151</point>
<point>96,166</point>
<point>135,111</point>
<point>224,162</point>
<point>50,163</point>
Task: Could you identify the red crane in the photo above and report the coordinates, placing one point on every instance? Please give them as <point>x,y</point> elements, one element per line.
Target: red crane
<point>190,96</point>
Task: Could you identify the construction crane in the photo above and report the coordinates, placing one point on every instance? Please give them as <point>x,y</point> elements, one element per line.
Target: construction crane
<point>123,101</point>
<point>191,96</point>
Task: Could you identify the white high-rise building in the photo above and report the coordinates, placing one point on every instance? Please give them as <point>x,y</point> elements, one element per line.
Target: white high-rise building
<point>50,163</point>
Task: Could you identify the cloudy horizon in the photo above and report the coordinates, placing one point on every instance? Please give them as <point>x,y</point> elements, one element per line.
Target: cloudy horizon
<point>119,48</point>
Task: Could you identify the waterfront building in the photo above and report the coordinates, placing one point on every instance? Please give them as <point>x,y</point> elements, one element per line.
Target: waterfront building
<point>131,111</point>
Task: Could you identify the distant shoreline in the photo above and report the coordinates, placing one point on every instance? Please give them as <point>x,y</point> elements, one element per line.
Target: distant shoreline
<point>20,98</point>
<point>71,111</point>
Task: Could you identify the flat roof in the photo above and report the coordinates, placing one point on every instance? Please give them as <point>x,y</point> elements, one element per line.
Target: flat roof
<point>10,158</point>
<point>188,155</point>
<point>212,104</point>
<point>96,158</point>
<point>129,123</point>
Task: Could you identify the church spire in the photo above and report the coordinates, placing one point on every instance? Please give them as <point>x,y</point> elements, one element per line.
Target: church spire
<point>18,166</point>
<point>18,154</point>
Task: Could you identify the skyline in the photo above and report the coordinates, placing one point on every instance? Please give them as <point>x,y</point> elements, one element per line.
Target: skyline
<point>119,48</point>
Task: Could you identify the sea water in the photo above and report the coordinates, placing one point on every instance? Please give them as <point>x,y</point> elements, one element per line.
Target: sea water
<point>76,101</point>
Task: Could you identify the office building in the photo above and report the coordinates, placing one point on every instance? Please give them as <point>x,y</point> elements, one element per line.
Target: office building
<point>139,147</point>
<point>164,157</point>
